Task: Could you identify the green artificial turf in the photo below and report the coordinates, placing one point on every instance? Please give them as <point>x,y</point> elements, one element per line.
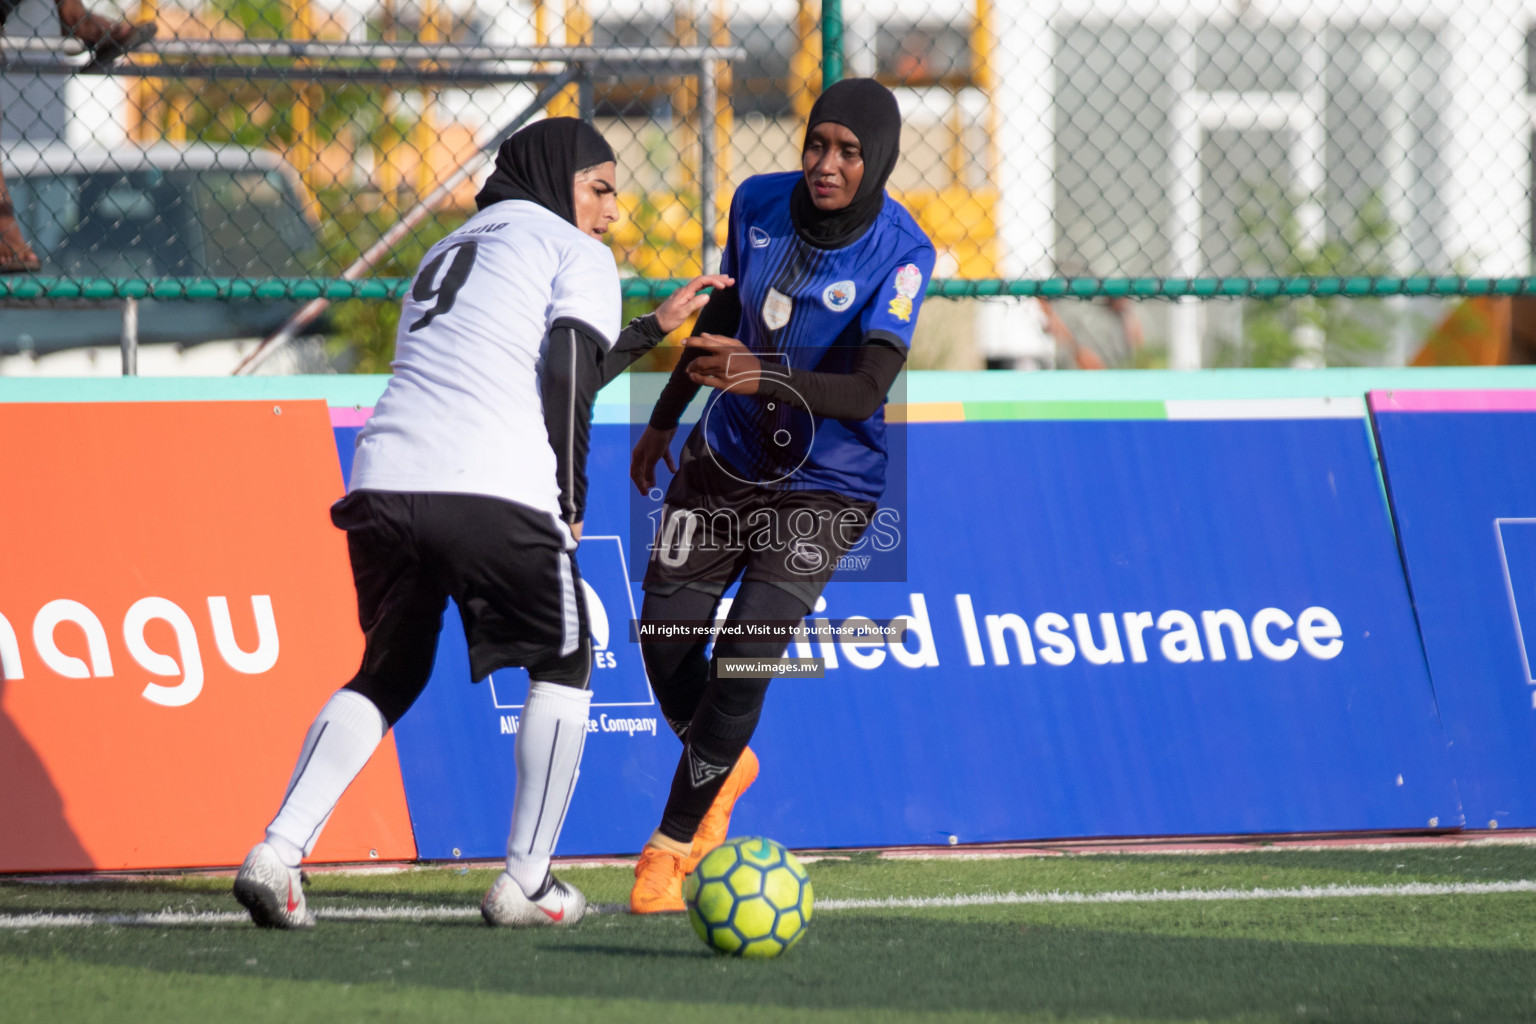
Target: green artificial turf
<point>1365,958</point>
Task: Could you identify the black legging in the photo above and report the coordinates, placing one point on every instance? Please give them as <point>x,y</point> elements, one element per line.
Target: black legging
<point>714,717</point>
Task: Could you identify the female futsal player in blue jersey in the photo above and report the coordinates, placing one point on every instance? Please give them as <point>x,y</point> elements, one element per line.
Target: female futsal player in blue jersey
<point>783,472</point>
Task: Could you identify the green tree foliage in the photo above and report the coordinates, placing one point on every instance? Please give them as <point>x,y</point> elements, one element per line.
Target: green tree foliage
<point>1275,242</point>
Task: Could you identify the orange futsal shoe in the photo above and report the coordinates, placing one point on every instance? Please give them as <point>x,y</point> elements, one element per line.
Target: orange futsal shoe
<point>658,882</point>
<point>716,824</point>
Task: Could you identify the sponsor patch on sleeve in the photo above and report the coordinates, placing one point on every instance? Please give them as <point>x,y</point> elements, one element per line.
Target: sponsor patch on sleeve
<point>909,280</point>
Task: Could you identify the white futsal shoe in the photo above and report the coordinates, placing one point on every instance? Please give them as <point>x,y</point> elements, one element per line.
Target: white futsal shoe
<point>555,903</point>
<point>272,891</point>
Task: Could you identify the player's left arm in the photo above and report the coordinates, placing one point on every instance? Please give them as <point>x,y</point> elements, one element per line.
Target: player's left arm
<point>646,332</point>
<point>853,394</point>
<point>569,378</point>
<point>887,321</point>
<point>583,328</point>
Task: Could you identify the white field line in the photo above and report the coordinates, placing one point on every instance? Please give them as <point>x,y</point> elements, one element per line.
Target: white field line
<point>165,918</point>
<point>220,917</point>
<point>1010,851</point>
<point>1306,892</point>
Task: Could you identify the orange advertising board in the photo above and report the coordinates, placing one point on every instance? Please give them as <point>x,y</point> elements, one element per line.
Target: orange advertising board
<point>175,607</point>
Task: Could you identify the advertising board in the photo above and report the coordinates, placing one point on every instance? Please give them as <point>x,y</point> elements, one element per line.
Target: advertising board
<point>175,606</point>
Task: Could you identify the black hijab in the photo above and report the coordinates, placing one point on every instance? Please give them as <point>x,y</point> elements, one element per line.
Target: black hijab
<point>539,163</point>
<point>869,110</point>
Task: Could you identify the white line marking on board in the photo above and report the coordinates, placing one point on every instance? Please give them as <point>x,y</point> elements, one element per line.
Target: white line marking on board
<point>986,899</point>
<point>1340,408</point>
<point>1509,588</point>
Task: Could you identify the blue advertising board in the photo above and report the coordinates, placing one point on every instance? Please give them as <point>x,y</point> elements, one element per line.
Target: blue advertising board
<point>1140,627</point>
<point>1463,486</point>
<point>1222,644</point>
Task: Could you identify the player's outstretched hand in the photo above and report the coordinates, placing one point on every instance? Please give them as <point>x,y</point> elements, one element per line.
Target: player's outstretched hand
<point>653,446</point>
<point>724,363</point>
<point>686,301</point>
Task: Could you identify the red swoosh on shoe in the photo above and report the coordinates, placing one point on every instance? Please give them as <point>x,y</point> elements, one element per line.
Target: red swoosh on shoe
<point>555,915</point>
<point>293,904</point>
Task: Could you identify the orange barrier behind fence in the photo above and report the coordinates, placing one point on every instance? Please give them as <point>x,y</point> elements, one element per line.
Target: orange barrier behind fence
<point>174,608</point>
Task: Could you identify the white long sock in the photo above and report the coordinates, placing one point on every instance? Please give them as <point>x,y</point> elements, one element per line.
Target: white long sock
<point>550,739</point>
<point>336,748</point>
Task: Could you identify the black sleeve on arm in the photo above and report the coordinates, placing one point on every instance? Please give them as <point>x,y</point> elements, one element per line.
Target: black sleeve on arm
<point>642,335</point>
<point>854,395</point>
<point>721,315</point>
<point>568,383</point>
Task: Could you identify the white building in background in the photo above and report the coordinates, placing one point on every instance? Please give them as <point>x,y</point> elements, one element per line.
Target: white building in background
<point>1412,115</point>
<point>1165,138</point>
<point>1142,138</point>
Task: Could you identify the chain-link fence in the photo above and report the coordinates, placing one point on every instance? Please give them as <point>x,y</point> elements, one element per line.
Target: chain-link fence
<point>304,150</point>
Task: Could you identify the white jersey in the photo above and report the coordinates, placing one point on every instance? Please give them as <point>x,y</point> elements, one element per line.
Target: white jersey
<point>463,413</point>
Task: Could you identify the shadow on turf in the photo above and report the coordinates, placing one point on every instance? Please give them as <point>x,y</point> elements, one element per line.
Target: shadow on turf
<point>630,952</point>
<point>858,962</point>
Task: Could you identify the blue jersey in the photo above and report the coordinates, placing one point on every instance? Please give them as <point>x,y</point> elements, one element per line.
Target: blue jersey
<point>806,308</point>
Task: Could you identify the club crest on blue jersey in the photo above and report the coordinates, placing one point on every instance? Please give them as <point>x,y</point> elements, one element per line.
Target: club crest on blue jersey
<point>839,295</point>
<point>776,309</point>
<point>758,237</point>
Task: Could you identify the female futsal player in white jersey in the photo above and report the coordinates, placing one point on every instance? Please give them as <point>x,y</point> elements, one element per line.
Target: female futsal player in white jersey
<point>470,482</point>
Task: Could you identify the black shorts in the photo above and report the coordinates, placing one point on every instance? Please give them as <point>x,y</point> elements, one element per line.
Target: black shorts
<point>715,527</point>
<point>506,565</point>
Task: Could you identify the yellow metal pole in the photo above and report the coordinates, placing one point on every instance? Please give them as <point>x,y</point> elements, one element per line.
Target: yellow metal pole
<point>804,73</point>
<point>725,120</point>
<point>303,152</point>
<point>578,26</point>
<point>685,99</point>
<point>957,158</point>
<point>180,113</point>
<point>387,172</point>
<point>144,95</point>
<point>424,133</point>
<point>983,45</point>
